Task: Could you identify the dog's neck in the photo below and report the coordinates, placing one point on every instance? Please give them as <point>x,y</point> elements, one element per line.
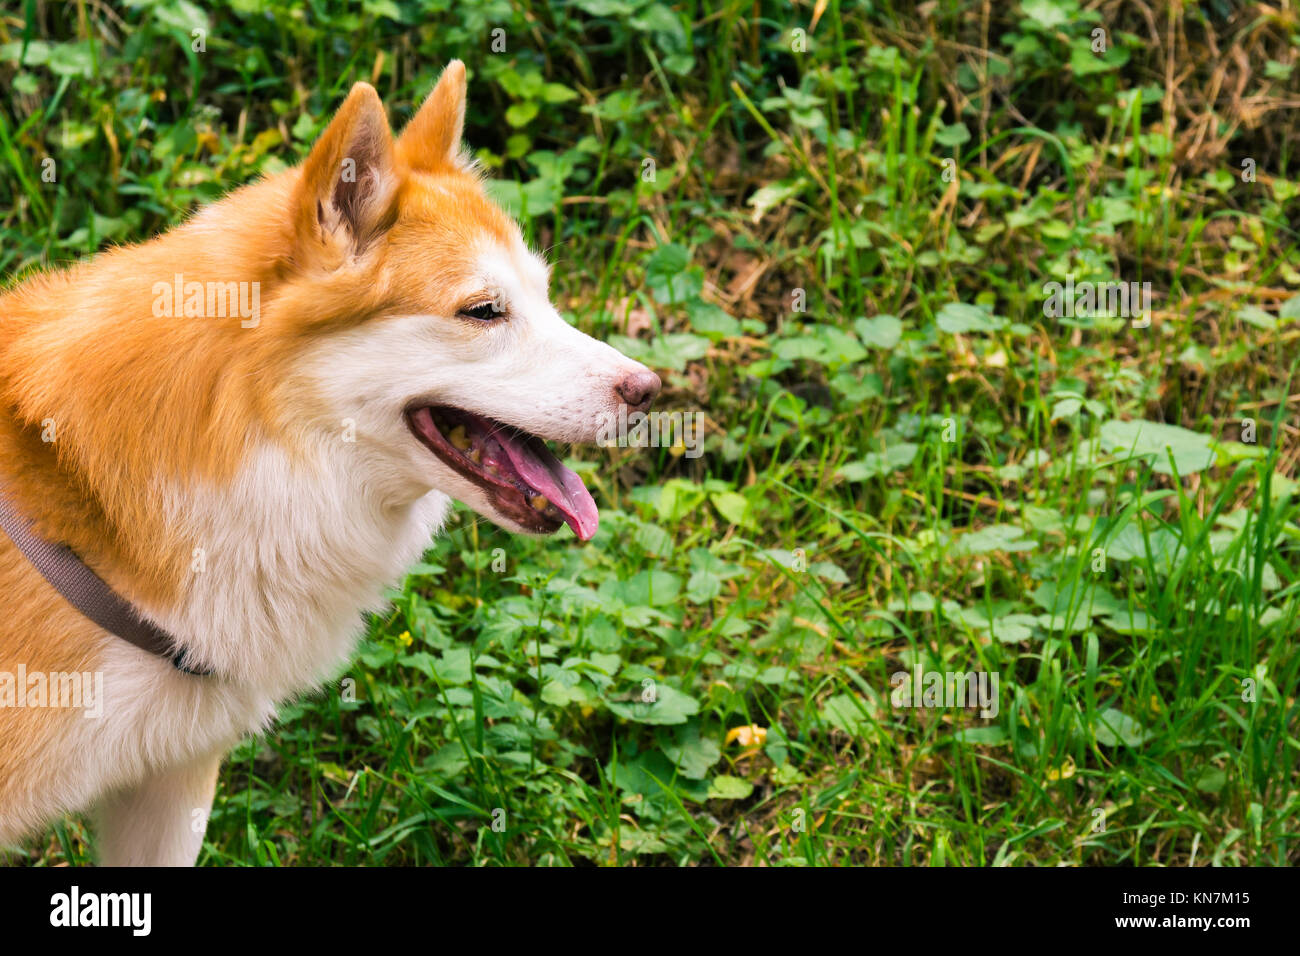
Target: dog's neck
<point>284,559</point>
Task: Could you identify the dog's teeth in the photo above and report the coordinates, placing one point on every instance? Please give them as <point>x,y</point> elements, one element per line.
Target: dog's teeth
<point>540,503</point>
<point>458,437</point>
<point>476,456</point>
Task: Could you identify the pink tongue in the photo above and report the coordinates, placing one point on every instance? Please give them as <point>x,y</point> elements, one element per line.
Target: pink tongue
<point>558,484</point>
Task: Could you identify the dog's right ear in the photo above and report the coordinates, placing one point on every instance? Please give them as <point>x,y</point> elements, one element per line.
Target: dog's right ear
<point>348,191</point>
<point>431,141</point>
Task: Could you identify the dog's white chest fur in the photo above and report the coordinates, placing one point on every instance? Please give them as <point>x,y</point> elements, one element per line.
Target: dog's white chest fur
<point>285,560</point>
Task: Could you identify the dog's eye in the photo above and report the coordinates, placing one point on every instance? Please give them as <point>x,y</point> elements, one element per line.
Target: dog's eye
<point>484,312</point>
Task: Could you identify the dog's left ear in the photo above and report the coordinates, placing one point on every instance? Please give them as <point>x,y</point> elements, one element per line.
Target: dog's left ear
<point>348,190</point>
<point>431,141</point>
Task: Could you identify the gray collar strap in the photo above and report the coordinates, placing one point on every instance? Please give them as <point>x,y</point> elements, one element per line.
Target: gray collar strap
<point>87,592</point>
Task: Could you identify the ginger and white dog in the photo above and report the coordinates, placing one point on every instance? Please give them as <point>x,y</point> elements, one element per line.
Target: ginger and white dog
<point>251,477</point>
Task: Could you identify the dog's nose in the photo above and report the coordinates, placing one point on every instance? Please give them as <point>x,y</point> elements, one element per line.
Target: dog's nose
<point>638,389</point>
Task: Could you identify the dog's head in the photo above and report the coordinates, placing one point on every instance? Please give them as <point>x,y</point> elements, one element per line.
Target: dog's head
<point>438,344</point>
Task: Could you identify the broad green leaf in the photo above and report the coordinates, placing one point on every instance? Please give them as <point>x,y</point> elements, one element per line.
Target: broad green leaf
<point>959,317</point>
<point>1049,14</point>
<point>1254,315</point>
<point>880,463</point>
<point>1192,452</point>
<point>692,754</point>
<point>726,787</point>
<point>732,506</point>
<point>669,706</point>
<point>997,537</point>
<point>882,332</point>
<point>521,114</point>
<point>1114,727</point>
<point>645,588</point>
<point>953,135</point>
<point>1290,309</point>
<point>847,713</point>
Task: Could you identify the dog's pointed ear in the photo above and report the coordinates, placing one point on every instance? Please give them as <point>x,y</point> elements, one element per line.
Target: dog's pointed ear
<point>431,140</point>
<point>348,190</point>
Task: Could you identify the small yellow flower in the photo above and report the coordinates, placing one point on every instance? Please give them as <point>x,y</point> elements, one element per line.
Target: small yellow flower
<point>1064,772</point>
<point>405,639</point>
<point>751,736</point>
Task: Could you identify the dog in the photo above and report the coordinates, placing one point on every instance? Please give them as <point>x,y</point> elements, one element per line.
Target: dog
<point>247,428</point>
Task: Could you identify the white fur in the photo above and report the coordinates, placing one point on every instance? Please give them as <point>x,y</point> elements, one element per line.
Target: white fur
<point>530,369</point>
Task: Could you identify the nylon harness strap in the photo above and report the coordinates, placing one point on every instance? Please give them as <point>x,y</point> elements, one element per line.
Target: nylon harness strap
<point>87,592</point>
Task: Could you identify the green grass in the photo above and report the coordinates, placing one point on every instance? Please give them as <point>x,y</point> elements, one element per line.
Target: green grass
<point>917,469</point>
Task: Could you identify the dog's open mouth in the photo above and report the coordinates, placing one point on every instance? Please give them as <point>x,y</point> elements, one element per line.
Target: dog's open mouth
<point>522,478</point>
